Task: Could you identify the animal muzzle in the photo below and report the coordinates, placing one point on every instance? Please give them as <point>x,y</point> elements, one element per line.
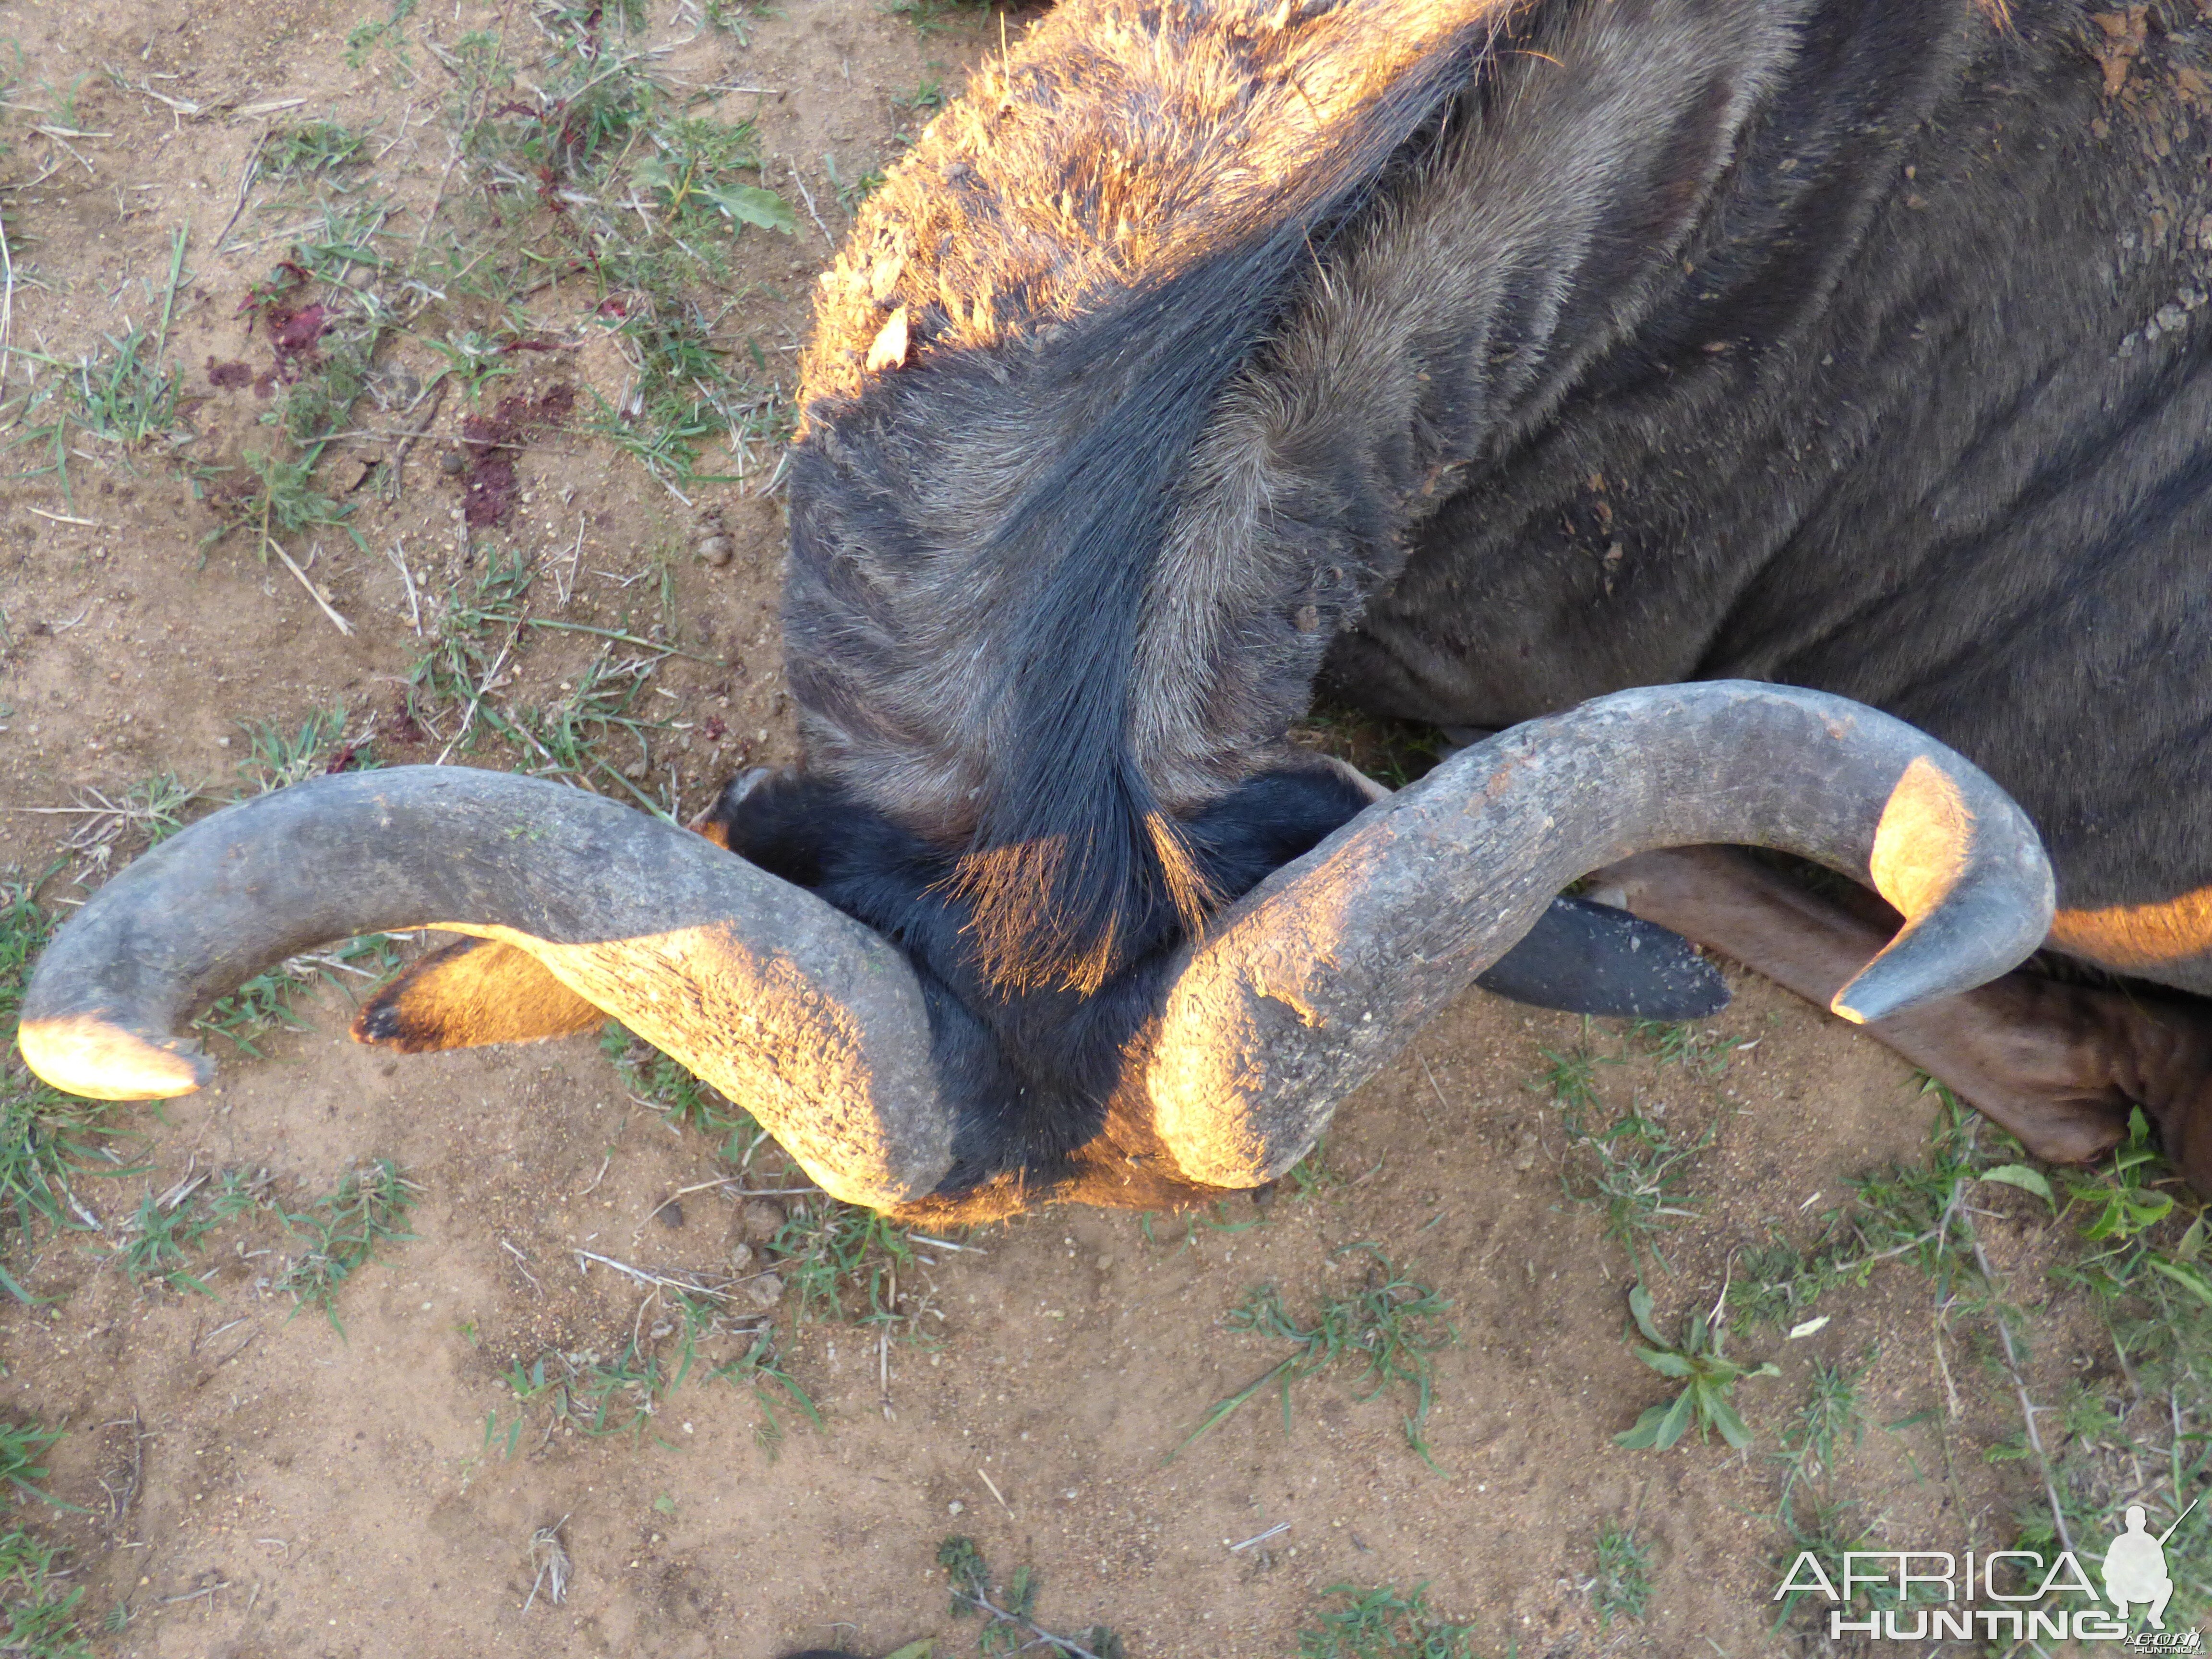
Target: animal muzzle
<point>817,1025</point>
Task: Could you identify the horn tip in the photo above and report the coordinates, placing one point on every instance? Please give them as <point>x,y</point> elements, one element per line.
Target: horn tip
<point>86,1054</point>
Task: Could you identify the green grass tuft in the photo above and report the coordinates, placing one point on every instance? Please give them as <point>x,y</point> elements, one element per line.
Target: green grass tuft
<point>1392,1327</point>
<point>1622,1586</point>
<point>343,1232</point>
<point>38,1611</point>
<point>1383,1624</point>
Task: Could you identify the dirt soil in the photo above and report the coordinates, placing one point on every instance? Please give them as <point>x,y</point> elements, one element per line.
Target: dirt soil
<point>291,1490</point>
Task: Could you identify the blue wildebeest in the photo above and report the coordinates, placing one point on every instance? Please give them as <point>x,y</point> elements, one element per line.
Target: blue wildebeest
<point>1477,359</point>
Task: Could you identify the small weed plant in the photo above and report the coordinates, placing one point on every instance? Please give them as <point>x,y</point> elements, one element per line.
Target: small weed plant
<point>596,1395</point>
<point>1390,1331</point>
<point>1707,1375</point>
<point>840,1261</point>
<point>1009,1612</point>
<point>1621,1588</point>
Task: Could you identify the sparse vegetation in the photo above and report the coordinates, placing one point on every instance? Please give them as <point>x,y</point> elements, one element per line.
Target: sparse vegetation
<point>1633,1171</point>
<point>1383,1624</point>
<point>1390,1329</point>
<point>1621,1588</point>
<point>310,146</point>
<point>1908,1212</point>
<point>1632,1166</point>
<point>653,1079</point>
<point>840,1261</point>
<point>263,1004</point>
<point>343,1232</point>
<point>44,1135</point>
<point>596,1394</point>
<point>37,1602</point>
<point>127,396</point>
<point>1008,1613</point>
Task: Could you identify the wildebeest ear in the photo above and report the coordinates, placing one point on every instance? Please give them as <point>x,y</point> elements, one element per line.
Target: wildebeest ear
<point>470,993</point>
<point>782,821</point>
<point>1585,958</point>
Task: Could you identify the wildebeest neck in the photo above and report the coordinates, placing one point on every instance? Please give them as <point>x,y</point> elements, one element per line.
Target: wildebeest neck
<point>976,532</point>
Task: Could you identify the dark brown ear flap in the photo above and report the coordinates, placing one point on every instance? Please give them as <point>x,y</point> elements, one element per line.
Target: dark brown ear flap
<point>473,991</point>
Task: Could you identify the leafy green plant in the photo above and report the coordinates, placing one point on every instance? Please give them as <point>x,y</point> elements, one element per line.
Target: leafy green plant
<point>1392,1329</point>
<point>1707,1375</point>
<point>1383,1624</point>
<point>2119,1201</point>
<point>692,177</point>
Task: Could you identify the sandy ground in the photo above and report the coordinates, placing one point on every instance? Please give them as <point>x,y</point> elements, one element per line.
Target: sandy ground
<point>288,1490</point>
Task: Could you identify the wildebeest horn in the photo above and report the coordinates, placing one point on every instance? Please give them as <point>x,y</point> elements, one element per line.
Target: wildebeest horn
<point>810,1019</point>
<point>1308,986</point>
<point>818,1025</point>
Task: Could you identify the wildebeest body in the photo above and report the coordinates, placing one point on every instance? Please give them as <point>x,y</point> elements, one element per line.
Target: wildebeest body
<point>1921,417</point>
<point>1490,358</point>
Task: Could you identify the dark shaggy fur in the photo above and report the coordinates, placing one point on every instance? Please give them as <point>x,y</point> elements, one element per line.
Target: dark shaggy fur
<point>1029,1073</point>
<point>1501,356</point>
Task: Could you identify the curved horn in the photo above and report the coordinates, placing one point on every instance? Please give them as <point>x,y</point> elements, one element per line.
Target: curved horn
<point>1305,988</point>
<point>810,1019</point>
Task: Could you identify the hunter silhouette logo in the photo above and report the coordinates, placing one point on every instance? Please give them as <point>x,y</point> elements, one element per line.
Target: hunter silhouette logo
<point>2134,1565</point>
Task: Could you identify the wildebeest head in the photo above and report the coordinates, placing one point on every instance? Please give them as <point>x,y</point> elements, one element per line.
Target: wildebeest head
<point>1105,436</point>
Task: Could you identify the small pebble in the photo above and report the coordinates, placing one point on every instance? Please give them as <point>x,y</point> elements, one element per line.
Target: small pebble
<point>670,1214</point>
<point>766,1291</point>
<point>453,463</point>
<point>716,550</point>
<point>761,1219</point>
<point>741,1256</point>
